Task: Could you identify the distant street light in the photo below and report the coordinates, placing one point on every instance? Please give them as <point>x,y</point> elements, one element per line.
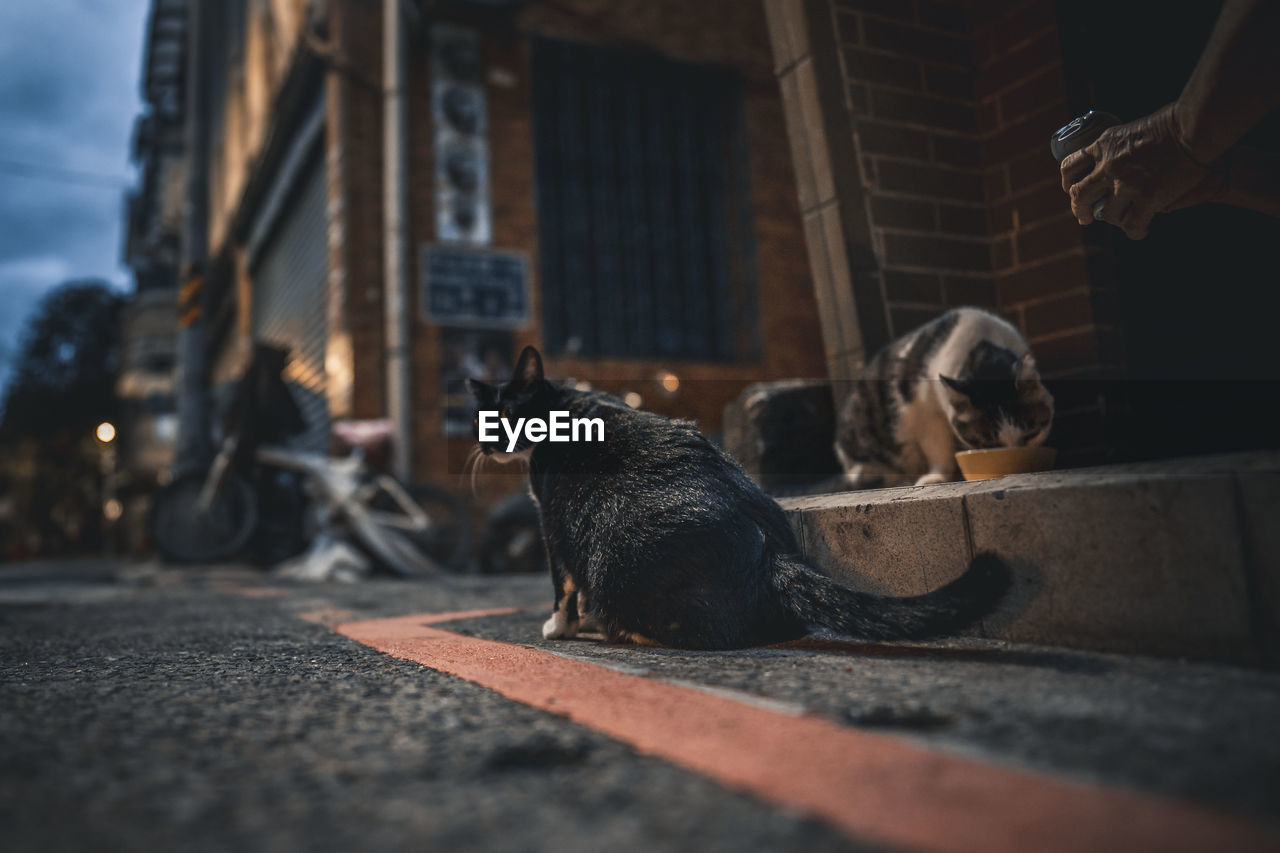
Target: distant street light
<point>112,508</point>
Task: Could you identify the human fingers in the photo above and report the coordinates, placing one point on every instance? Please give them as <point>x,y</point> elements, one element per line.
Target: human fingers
<point>1086,193</point>
<point>1075,166</point>
<point>1109,208</point>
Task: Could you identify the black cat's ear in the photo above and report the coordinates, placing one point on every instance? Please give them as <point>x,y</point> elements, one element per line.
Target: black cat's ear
<point>483,393</point>
<point>955,385</point>
<point>529,367</point>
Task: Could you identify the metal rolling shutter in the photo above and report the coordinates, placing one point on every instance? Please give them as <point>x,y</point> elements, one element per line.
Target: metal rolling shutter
<point>290,304</point>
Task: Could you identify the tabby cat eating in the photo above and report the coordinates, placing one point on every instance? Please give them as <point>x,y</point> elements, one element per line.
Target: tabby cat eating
<point>661,538</point>
<point>964,381</point>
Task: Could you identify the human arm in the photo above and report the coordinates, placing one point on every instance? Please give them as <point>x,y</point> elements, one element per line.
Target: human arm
<point>1136,170</point>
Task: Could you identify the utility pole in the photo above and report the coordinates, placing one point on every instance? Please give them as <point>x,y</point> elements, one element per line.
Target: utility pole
<point>395,199</point>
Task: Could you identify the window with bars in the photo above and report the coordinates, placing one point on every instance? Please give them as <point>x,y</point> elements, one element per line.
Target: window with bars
<point>644,215</point>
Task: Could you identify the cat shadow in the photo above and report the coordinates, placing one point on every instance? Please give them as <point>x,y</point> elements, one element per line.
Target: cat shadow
<point>1039,658</point>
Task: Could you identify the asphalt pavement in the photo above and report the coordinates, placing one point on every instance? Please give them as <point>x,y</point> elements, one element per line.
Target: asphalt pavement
<point>145,707</point>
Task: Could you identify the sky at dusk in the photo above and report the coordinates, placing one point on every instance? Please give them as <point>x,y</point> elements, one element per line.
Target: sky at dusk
<point>69,84</point>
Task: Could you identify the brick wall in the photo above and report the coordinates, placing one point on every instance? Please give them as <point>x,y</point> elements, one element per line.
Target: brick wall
<point>951,104</point>
<point>909,82</point>
<point>1051,281</point>
<point>728,33</point>
<point>354,157</point>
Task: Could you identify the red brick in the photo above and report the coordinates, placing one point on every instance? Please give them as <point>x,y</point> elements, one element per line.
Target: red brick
<point>1001,253</point>
<point>956,151</point>
<point>912,287</point>
<point>889,212</point>
<point>884,8</point>
<point>949,82</point>
<point>905,319</point>
<point>1046,202</point>
<point>995,183</point>
<point>982,46</point>
<point>922,109</point>
<point>943,15</point>
<point>878,138</point>
<point>955,219</point>
<point>999,217</point>
<point>859,100</point>
<point>940,252</point>
<point>1032,18</point>
<point>913,41</point>
<point>1023,133</point>
<point>1048,238</point>
<point>1035,167</point>
<point>982,12</point>
<point>1044,88</point>
<point>848,28</point>
<point>1056,276</point>
<point>969,290</point>
<point>1066,352</point>
<point>1038,205</point>
<point>930,180</point>
<point>1059,314</point>
<point>987,116</point>
<point>1089,352</point>
<point>864,66</point>
<point>1018,64</point>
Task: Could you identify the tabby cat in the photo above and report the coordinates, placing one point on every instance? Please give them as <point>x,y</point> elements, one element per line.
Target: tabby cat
<point>661,538</point>
<point>963,381</point>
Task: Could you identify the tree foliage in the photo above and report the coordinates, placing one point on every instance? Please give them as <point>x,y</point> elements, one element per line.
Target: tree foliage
<point>63,381</point>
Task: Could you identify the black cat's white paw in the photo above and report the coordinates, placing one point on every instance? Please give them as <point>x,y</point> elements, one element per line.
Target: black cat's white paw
<point>559,627</point>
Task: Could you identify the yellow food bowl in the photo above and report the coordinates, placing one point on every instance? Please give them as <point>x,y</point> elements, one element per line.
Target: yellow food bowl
<point>999,461</point>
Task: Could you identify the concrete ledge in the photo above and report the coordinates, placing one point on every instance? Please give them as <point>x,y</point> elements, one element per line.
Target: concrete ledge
<point>1176,558</point>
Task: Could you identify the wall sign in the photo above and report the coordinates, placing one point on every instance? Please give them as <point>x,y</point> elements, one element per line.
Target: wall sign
<point>458,108</point>
<point>474,287</point>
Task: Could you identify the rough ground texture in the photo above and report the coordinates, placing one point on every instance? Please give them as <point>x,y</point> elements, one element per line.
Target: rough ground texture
<point>158,710</point>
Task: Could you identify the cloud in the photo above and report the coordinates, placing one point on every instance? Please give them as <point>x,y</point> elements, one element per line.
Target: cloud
<point>69,83</point>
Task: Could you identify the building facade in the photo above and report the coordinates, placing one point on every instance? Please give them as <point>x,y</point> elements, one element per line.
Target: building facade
<point>611,182</point>
<point>674,200</point>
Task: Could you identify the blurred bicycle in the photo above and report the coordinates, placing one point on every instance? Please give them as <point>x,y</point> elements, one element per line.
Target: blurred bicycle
<point>212,516</point>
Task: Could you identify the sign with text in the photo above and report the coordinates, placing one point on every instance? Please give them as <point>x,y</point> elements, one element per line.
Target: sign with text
<point>474,287</point>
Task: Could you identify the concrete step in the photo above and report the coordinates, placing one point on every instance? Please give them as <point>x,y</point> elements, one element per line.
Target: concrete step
<point>1177,558</point>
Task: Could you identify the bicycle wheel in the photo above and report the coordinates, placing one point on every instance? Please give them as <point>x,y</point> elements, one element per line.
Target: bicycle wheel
<point>391,547</point>
<point>183,533</point>
<point>447,540</point>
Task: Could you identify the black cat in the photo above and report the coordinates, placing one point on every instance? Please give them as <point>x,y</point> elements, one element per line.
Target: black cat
<point>661,538</point>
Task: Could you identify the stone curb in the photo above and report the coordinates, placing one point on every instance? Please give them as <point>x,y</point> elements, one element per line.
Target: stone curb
<point>1176,558</point>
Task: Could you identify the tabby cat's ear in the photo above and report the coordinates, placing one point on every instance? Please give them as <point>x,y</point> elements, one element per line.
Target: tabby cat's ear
<point>1026,370</point>
<point>484,394</point>
<point>529,367</point>
<point>956,385</point>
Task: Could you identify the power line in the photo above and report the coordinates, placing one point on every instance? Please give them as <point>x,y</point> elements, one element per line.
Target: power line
<point>69,176</point>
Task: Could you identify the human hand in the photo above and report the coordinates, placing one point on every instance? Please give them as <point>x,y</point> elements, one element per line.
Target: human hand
<point>1132,172</point>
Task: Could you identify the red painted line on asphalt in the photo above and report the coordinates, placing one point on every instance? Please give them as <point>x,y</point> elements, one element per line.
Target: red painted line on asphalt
<point>872,786</point>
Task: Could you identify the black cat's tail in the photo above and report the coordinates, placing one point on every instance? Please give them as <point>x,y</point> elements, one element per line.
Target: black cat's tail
<point>817,600</point>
